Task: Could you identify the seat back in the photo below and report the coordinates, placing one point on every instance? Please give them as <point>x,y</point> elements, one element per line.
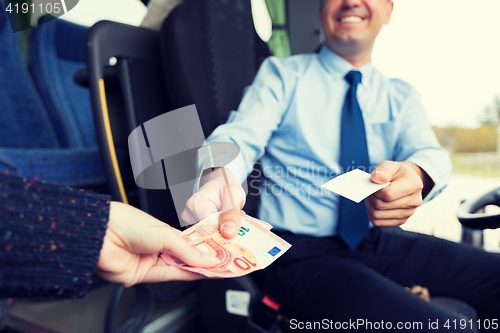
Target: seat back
<point>57,52</point>
<point>210,53</point>
<point>24,120</point>
<point>209,56</point>
<point>125,96</point>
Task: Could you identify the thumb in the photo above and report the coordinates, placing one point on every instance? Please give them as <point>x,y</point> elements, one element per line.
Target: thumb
<point>189,254</point>
<point>229,222</point>
<point>384,172</point>
<point>230,218</point>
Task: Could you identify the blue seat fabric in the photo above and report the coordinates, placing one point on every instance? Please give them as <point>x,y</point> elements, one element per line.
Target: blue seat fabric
<point>29,145</point>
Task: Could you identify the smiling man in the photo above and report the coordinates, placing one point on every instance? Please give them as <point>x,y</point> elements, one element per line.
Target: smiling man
<point>326,113</point>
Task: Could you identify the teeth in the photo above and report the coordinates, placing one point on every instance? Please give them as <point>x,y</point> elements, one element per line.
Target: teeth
<point>351,19</point>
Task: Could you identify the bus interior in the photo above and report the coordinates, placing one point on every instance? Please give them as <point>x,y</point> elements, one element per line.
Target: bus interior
<point>72,92</point>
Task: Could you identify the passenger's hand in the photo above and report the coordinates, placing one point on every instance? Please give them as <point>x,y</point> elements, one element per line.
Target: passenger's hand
<point>216,195</point>
<point>129,254</point>
<point>395,203</point>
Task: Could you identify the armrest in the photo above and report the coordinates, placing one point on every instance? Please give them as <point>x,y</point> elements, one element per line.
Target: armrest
<point>81,77</point>
<point>68,166</point>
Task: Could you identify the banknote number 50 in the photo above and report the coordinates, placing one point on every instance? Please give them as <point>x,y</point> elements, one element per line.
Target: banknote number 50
<point>243,230</point>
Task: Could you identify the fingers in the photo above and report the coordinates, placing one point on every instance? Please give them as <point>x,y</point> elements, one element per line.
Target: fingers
<point>230,218</point>
<point>420,291</point>
<point>189,254</point>
<point>404,180</point>
<point>221,193</point>
<point>385,214</point>
<point>384,172</point>
<point>199,207</point>
<point>399,188</point>
<point>390,222</point>
<point>413,200</point>
<point>401,213</point>
<point>229,222</point>
<point>162,273</point>
<point>131,245</point>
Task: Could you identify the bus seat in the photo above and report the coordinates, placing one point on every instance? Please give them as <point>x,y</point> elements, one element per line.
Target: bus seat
<point>211,52</point>
<point>124,96</point>
<point>28,142</point>
<point>57,52</point>
<point>209,57</point>
<point>25,123</point>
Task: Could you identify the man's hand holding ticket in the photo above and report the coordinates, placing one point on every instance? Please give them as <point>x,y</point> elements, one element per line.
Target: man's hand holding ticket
<point>393,191</point>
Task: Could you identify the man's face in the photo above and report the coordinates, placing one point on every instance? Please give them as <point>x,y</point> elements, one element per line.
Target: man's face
<point>353,22</point>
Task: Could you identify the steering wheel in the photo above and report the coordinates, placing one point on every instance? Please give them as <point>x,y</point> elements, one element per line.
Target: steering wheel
<point>469,218</point>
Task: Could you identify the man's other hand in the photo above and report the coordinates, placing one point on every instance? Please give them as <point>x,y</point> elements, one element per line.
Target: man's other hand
<point>395,203</point>
<point>220,192</point>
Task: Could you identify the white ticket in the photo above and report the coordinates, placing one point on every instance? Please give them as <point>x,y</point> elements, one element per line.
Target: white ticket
<point>355,185</point>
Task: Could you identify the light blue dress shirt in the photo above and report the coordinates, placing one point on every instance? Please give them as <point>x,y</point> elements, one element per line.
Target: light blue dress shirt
<point>289,119</point>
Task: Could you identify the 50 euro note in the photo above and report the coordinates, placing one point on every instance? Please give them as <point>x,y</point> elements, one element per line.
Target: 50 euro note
<point>254,248</point>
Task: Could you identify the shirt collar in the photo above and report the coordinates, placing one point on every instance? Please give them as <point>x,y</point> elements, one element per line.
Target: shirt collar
<point>339,67</point>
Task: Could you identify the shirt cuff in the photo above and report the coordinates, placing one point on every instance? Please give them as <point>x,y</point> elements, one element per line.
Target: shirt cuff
<point>438,172</point>
<point>220,154</point>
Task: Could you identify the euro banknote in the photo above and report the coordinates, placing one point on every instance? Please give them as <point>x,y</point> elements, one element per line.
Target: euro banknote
<point>255,247</point>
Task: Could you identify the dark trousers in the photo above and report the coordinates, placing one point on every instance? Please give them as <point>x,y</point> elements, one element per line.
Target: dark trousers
<point>321,279</point>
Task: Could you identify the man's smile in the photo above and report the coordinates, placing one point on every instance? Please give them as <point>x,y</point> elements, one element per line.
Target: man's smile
<point>351,18</point>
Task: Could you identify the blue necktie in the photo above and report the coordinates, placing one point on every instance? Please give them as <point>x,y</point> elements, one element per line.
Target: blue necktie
<point>353,222</point>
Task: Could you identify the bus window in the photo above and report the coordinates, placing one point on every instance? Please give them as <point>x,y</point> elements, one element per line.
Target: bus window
<point>455,69</point>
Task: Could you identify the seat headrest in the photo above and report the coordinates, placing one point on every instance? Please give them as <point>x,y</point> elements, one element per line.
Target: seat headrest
<point>70,40</point>
<point>8,19</point>
<point>3,17</point>
<point>209,55</point>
